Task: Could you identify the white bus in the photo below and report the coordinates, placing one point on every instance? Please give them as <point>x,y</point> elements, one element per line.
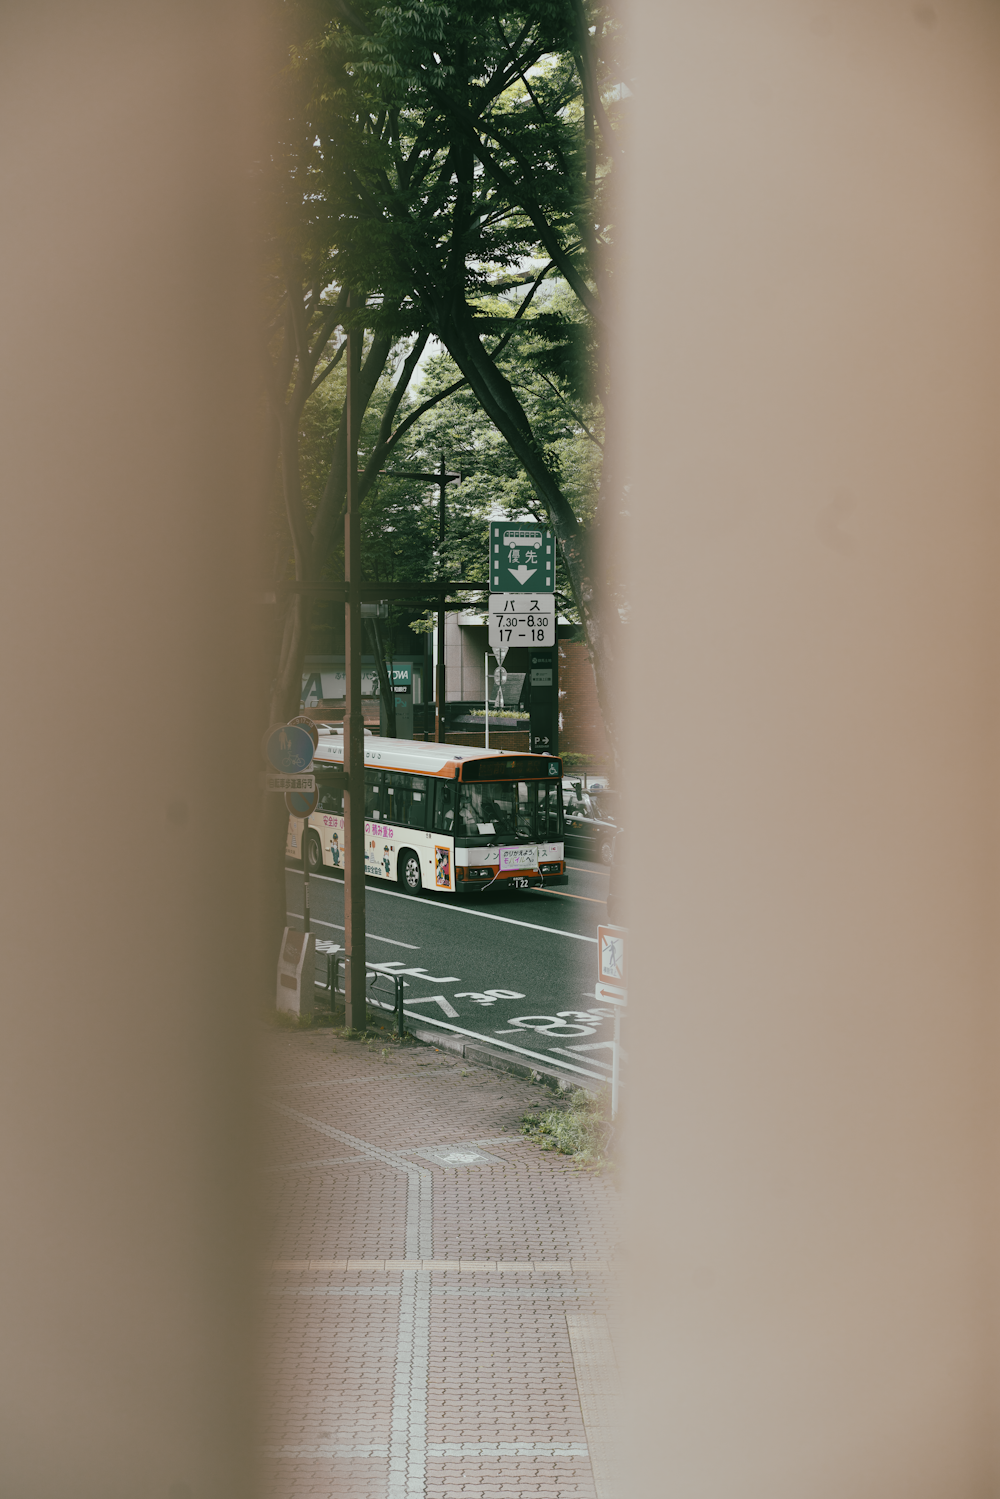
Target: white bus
<point>442,817</point>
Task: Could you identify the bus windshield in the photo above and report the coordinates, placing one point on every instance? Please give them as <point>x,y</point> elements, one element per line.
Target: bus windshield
<point>523,809</point>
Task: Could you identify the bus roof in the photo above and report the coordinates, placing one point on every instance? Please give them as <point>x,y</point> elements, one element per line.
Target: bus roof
<point>422,757</point>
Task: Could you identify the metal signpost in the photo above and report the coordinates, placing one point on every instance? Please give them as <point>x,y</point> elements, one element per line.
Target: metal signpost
<point>499,677</point>
<point>355,1016</point>
<point>522,556</point>
<point>543,701</point>
<point>612,989</point>
<point>302,801</point>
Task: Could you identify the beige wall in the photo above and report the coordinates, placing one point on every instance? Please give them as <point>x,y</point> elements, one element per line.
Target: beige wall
<point>126,545</point>
<point>811,272</point>
<point>811,251</point>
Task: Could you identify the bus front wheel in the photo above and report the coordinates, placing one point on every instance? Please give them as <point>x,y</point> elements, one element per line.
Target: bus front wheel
<point>408,870</point>
<point>313,853</point>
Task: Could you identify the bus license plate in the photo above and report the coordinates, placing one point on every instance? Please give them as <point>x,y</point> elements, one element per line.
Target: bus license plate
<point>518,882</point>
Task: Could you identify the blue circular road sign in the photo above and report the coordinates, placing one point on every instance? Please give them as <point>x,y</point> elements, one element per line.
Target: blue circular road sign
<point>289,749</point>
<point>301,803</point>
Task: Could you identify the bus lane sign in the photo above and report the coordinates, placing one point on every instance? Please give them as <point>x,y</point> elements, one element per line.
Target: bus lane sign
<point>521,553</point>
<point>522,619</point>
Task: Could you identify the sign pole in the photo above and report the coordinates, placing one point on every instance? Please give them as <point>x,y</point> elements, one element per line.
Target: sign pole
<point>355,1017</point>
<point>554,731</point>
<point>305,874</point>
<point>614,1062</point>
<point>439,684</point>
<point>486,692</point>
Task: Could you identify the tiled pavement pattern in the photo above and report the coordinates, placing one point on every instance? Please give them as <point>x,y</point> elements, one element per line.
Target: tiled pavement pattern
<point>424,1313</point>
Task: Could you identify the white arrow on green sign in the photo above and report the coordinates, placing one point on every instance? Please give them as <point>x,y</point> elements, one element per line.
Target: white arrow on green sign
<point>522,555</point>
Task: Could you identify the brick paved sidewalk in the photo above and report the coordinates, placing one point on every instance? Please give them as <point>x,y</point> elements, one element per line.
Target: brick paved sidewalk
<point>438,1288</point>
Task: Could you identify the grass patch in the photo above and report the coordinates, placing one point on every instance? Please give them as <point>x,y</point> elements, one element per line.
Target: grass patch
<point>579,1127</point>
<point>284,1020</point>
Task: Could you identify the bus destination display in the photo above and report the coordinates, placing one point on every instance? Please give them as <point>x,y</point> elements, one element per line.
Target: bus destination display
<point>522,619</point>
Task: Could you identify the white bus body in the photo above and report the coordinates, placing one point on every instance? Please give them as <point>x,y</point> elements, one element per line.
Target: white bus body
<point>465,818</point>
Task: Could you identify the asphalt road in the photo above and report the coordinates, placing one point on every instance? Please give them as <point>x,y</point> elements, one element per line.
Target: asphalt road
<point>515,969</point>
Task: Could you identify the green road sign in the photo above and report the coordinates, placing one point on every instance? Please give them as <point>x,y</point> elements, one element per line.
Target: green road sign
<point>522,556</point>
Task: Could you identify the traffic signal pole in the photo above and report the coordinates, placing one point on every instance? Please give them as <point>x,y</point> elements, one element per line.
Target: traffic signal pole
<point>355,1016</point>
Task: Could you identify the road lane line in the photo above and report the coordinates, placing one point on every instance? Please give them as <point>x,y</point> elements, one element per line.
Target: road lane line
<point>523,1051</point>
<point>488,915</point>
<point>532,926</point>
<point>567,895</point>
<point>371,936</point>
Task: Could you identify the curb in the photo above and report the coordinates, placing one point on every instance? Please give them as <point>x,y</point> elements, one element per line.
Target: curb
<point>475,1051</point>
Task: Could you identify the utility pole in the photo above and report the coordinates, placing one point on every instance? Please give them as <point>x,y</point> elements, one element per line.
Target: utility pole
<point>355,1017</point>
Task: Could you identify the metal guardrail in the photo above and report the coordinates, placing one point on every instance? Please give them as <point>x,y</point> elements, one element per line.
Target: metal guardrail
<point>333,961</point>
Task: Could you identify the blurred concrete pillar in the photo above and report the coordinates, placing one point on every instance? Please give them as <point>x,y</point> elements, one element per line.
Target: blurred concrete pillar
<point>127,548</point>
<point>811,344</point>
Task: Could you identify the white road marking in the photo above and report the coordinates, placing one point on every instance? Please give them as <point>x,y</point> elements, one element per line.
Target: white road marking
<point>371,936</point>
<point>568,895</point>
<point>565,1023</point>
<point>554,931</point>
<point>507,1045</point>
<point>465,911</point>
<point>417,973</point>
<point>433,999</point>
<point>596,1060</point>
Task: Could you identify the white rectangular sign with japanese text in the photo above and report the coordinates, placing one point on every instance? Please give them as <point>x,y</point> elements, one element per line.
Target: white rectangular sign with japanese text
<point>522,619</point>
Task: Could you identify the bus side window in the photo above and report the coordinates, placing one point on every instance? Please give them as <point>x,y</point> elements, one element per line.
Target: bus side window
<point>444,806</point>
<point>548,811</point>
<point>397,798</point>
<point>330,800</point>
<point>374,799</point>
<point>419,797</point>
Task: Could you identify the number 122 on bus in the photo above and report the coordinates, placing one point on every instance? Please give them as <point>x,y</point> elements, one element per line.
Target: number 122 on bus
<point>522,619</point>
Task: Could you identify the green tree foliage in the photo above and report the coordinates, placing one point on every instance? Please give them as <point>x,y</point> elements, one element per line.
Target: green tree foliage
<point>464,159</point>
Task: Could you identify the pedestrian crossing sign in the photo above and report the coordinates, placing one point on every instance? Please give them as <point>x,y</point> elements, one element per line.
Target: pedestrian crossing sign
<point>612,966</point>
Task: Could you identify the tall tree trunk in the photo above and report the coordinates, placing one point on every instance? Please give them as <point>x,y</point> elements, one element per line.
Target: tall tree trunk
<point>596,603</point>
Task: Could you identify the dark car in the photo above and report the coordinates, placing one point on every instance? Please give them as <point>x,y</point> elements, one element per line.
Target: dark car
<point>590,824</point>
